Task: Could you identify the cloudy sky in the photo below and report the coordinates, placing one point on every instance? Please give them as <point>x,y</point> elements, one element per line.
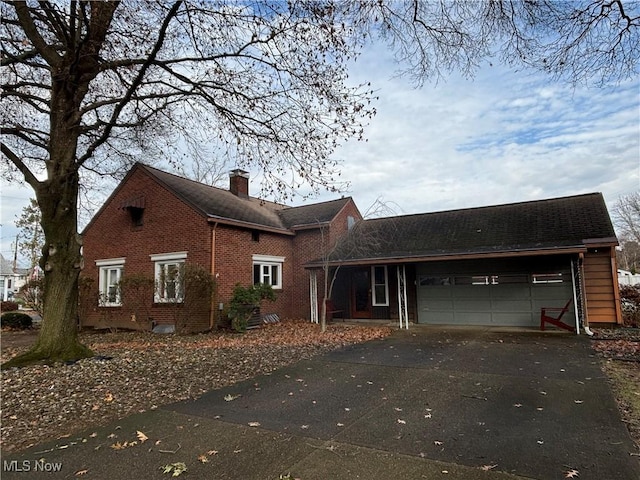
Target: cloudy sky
<point>502,137</point>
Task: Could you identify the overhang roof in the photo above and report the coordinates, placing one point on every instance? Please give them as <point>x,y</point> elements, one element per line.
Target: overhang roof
<point>536,227</point>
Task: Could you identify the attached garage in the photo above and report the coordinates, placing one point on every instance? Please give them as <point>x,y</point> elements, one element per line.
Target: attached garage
<point>494,266</point>
<point>498,293</point>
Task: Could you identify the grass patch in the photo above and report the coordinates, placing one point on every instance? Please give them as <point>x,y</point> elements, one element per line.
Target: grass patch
<point>625,382</point>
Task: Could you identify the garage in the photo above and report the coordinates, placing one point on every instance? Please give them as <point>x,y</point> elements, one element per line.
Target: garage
<point>493,294</point>
<point>485,266</point>
<point>463,294</point>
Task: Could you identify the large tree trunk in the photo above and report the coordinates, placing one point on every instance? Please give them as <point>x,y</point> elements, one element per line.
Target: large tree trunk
<point>61,256</point>
<point>61,262</point>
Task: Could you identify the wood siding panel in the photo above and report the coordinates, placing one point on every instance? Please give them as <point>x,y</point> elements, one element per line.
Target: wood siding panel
<point>600,287</point>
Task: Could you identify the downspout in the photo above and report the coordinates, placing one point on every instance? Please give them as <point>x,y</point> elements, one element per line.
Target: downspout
<point>575,299</point>
<point>212,310</point>
<point>585,315</point>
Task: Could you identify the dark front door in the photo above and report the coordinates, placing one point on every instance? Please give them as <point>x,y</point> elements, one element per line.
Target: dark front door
<point>360,294</point>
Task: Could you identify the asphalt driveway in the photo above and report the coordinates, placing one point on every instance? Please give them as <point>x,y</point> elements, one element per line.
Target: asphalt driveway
<point>428,403</point>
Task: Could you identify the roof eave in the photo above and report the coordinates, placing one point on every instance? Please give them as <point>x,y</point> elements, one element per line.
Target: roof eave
<point>250,225</point>
<point>452,256</point>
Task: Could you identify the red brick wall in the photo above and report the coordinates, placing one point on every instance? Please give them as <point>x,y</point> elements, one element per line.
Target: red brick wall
<point>309,245</point>
<point>169,225</point>
<point>234,250</point>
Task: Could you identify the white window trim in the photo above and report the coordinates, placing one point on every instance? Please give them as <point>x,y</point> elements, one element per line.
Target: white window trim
<point>374,300</point>
<point>105,265</point>
<point>110,262</point>
<point>270,260</point>
<point>161,259</point>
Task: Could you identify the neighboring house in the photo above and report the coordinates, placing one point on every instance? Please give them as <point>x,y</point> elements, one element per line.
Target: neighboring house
<point>482,266</point>
<point>155,222</point>
<point>496,265</point>
<point>625,277</point>
<point>12,279</point>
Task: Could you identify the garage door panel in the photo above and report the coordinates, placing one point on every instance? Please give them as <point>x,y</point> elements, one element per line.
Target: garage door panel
<point>439,305</point>
<point>436,317</point>
<point>511,305</point>
<point>472,305</point>
<point>516,319</point>
<point>473,318</point>
<point>510,299</point>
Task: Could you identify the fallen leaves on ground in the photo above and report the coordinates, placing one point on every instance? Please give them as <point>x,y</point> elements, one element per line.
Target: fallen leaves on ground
<point>620,347</point>
<point>41,403</point>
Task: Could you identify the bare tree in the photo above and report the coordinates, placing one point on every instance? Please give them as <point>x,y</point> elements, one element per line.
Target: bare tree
<point>32,236</point>
<point>626,216</point>
<point>90,87</point>
<point>356,240</point>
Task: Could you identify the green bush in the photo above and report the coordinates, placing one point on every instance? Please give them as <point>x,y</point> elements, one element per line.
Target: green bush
<point>245,301</point>
<point>17,320</point>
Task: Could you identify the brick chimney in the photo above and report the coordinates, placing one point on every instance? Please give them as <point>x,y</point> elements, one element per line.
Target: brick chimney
<point>239,182</point>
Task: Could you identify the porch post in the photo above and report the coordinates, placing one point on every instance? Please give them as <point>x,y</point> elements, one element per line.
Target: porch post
<point>402,297</point>
<point>313,295</point>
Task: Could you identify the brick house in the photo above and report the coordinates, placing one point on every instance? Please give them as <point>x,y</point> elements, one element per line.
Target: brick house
<point>154,222</point>
<point>497,265</point>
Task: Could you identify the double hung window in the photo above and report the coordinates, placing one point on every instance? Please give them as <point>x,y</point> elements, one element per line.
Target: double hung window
<point>169,276</point>
<point>110,274</point>
<point>268,269</point>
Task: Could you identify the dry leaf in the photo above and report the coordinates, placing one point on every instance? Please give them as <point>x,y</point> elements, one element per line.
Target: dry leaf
<point>486,468</point>
<point>517,405</point>
<point>437,442</point>
<point>203,459</point>
<point>212,452</point>
<point>108,397</point>
<point>402,421</point>
<point>571,473</point>
<point>141,436</point>
<point>254,424</point>
<point>79,473</point>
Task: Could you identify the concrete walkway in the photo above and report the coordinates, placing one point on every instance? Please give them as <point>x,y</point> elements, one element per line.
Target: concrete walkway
<point>434,403</point>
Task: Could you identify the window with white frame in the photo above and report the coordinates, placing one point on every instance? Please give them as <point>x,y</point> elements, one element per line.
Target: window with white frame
<point>169,272</point>
<point>110,274</point>
<point>380,286</point>
<point>268,269</point>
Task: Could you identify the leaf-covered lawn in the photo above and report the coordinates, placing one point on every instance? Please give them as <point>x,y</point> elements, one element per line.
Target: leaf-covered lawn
<point>134,372</point>
<point>620,349</point>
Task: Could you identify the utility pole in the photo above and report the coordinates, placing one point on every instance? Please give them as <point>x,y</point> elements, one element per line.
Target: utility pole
<point>15,255</point>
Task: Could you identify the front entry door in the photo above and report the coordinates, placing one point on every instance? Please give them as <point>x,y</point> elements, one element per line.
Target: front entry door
<point>360,294</point>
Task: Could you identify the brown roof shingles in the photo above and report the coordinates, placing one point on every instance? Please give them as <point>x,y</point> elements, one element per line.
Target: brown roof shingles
<point>536,225</point>
<point>217,203</point>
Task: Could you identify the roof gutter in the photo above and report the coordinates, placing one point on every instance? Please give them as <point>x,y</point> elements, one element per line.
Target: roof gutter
<point>254,226</point>
<point>450,256</point>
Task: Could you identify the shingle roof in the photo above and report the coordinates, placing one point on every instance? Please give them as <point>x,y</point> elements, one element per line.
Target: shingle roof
<point>536,225</point>
<point>219,203</point>
<point>314,214</point>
